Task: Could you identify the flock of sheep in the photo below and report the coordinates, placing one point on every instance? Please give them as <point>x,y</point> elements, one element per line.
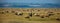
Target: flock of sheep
<point>31,14</point>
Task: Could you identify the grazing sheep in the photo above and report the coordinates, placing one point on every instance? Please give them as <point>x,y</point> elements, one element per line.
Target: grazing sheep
<point>36,14</point>
<point>1,12</point>
<point>58,13</point>
<point>42,16</point>
<point>46,16</point>
<point>19,14</point>
<point>27,17</point>
<point>50,14</point>
<point>7,11</point>
<point>30,14</point>
<point>58,19</point>
<point>16,13</point>
<point>38,10</point>
<point>13,11</point>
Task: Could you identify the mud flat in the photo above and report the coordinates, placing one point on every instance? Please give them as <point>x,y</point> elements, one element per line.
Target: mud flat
<point>29,15</point>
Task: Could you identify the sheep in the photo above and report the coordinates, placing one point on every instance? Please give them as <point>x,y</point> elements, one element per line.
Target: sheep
<point>58,19</point>
<point>47,16</point>
<point>13,11</point>
<point>36,15</point>
<point>19,14</point>
<point>50,14</point>
<point>30,14</point>
<point>27,17</point>
<point>7,11</point>
<point>2,12</point>
<point>42,16</point>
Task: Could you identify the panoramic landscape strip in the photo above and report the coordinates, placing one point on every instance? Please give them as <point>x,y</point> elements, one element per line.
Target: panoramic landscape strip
<point>30,15</point>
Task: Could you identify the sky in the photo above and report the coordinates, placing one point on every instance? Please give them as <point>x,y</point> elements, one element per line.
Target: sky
<point>30,1</point>
<point>33,1</point>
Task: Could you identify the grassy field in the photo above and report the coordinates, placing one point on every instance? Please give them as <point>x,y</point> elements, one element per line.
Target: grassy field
<point>29,15</point>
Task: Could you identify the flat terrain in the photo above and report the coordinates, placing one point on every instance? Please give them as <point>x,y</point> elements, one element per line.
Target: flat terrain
<point>29,15</point>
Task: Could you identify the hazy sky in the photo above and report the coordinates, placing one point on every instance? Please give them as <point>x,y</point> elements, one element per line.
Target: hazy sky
<point>31,1</point>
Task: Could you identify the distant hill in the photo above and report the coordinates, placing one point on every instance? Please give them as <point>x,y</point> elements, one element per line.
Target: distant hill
<point>44,5</point>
